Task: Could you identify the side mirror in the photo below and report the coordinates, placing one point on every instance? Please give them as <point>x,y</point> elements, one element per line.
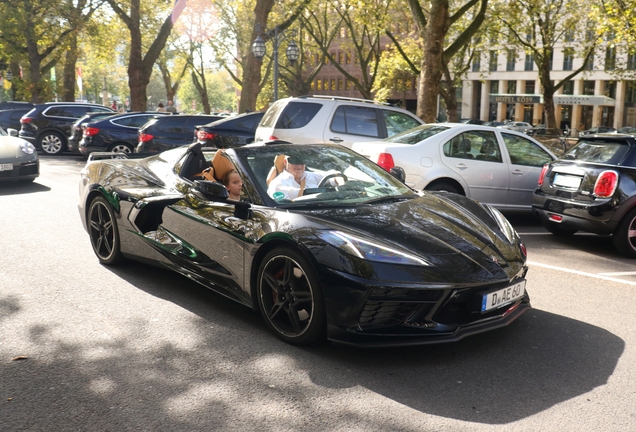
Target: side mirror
<point>398,173</point>
<point>212,190</point>
<point>12,132</point>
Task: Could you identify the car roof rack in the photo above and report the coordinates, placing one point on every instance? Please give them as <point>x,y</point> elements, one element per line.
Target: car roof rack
<point>344,98</point>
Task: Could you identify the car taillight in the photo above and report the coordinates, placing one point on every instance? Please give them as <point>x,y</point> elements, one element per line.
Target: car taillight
<point>385,160</point>
<point>544,171</point>
<point>203,135</point>
<point>606,183</point>
<point>273,138</point>
<point>90,131</point>
<point>144,137</point>
<point>25,120</point>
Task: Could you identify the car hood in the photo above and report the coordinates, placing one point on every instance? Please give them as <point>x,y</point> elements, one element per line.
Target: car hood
<point>10,148</point>
<point>446,230</point>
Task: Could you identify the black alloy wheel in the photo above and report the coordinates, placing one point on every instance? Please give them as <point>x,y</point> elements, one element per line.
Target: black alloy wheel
<point>120,148</point>
<point>102,229</point>
<point>52,143</point>
<point>290,298</point>
<point>625,235</point>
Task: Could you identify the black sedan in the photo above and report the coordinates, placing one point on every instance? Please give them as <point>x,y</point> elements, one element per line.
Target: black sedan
<point>117,133</point>
<point>357,257</point>
<point>592,188</point>
<point>230,132</point>
<point>77,130</point>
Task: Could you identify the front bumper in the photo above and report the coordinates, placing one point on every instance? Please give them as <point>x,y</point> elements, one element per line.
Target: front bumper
<point>22,171</point>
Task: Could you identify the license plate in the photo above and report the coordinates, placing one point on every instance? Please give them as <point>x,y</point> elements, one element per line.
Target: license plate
<point>566,181</point>
<point>503,297</point>
<point>6,167</point>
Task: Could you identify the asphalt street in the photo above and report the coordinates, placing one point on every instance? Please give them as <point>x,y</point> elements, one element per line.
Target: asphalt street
<point>85,347</point>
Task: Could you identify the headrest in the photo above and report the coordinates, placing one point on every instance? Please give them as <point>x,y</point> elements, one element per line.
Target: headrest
<point>465,145</point>
<point>221,165</point>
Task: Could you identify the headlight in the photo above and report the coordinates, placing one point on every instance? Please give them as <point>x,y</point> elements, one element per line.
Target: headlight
<point>27,147</point>
<point>368,250</point>
<point>503,223</point>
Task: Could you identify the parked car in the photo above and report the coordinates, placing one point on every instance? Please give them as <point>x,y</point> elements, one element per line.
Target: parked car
<point>77,129</point>
<point>493,123</point>
<point>596,130</point>
<point>591,189</point>
<point>10,118</point>
<point>328,119</point>
<point>117,133</point>
<point>361,259</point>
<point>9,105</point>
<point>494,166</point>
<point>48,125</point>
<point>542,129</point>
<point>18,159</point>
<point>471,121</point>
<point>516,126</point>
<point>627,130</point>
<point>163,133</point>
<point>229,132</point>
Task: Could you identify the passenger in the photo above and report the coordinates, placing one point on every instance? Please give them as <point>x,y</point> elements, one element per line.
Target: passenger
<point>291,183</point>
<point>232,181</point>
<point>160,107</point>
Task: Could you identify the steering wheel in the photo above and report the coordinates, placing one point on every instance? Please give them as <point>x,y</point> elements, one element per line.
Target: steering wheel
<point>323,182</point>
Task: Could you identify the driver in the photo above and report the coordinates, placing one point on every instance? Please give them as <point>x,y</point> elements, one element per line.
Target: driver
<point>291,183</point>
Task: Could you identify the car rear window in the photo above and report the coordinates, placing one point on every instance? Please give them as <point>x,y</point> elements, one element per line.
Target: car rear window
<point>297,115</point>
<point>607,152</point>
<point>413,136</point>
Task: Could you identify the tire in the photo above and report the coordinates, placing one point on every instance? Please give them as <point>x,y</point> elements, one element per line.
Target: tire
<point>625,235</point>
<point>52,143</point>
<point>558,230</point>
<point>103,232</point>
<point>290,298</point>
<point>444,186</point>
<point>120,148</point>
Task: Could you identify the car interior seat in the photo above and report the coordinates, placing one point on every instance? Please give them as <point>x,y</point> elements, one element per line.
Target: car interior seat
<point>221,165</point>
<point>464,148</point>
<point>488,151</point>
<point>195,163</point>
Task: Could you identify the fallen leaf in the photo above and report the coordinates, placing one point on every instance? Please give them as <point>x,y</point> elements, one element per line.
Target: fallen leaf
<point>19,358</point>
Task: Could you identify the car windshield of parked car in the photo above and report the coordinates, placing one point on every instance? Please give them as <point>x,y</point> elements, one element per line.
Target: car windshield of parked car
<point>415,135</point>
<point>607,152</point>
<point>335,176</point>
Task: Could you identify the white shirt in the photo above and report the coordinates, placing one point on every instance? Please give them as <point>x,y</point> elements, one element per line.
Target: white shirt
<point>286,185</point>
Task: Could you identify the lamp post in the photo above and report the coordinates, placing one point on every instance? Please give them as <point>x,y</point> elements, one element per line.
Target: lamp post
<point>277,36</point>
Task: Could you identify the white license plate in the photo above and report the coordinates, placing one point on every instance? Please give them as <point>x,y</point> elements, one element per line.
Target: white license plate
<point>503,296</point>
<point>567,181</point>
<point>6,167</point>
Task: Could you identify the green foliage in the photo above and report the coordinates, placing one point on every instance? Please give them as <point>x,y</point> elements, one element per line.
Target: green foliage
<point>221,93</point>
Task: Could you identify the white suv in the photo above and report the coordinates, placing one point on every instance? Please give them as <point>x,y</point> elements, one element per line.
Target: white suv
<point>328,119</point>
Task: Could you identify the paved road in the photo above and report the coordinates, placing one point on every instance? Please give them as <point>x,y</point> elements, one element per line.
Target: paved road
<point>137,348</point>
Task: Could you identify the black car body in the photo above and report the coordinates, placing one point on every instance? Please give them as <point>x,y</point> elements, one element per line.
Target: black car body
<point>77,130</point>
<point>230,132</point>
<point>592,188</point>
<point>164,133</point>
<point>117,133</point>
<point>10,118</point>
<point>48,125</point>
<point>361,259</point>
<point>9,105</point>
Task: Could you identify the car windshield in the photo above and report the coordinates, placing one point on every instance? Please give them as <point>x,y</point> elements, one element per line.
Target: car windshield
<point>2,132</point>
<point>417,134</point>
<point>608,152</point>
<point>333,176</point>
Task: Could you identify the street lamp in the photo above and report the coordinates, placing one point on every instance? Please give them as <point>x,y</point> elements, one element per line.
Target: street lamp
<point>277,36</point>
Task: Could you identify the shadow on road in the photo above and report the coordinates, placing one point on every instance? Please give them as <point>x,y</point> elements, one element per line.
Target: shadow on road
<point>19,188</point>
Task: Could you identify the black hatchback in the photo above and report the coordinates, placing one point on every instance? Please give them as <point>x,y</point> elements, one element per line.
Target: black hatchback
<point>117,133</point>
<point>592,188</point>
<point>164,133</point>
<point>77,130</point>
<point>230,131</point>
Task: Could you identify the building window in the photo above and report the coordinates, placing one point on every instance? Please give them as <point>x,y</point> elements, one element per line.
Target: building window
<point>319,84</point>
<point>610,89</point>
<point>340,87</point>
<point>476,62</point>
<point>568,59</point>
<point>530,86</point>
<point>312,86</point>
<point>340,57</point>
<point>631,62</point>
<point>630,91</point>
<point>510,63</point>
<point>347,84</point>
<point>333,84</point>
<point>529,63</point>
<point>589,64</point>
<point>568,88</point>
<point>512,87</point>
<point>492,64</point>
<point>588,88</point>
<point>348,57</point>
<point>494,87</point>
<point>343,32</point>
<point>610,58</point>
<point>569,35</point>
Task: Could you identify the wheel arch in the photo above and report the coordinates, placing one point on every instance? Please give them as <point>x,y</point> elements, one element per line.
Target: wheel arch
<point>448,180</point>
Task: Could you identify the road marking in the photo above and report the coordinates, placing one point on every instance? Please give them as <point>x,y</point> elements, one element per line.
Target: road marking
<point>577,272</point>
<point>633,273</point>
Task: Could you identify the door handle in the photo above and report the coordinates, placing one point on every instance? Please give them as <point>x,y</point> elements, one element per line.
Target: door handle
<point>461,166</point>
<point>336,139</point>
<point>517,172</point>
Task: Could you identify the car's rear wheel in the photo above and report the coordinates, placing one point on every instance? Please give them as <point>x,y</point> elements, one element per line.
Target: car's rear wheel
<point>120,148</point>
<point>290,298</point>
<point>102,229</point>
<point>444,186</point>
<point>625,235</point>
<point>51,143</point>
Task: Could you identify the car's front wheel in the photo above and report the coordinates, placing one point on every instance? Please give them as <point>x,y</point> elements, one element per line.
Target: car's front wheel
<point>625,235</point>
<point>121,148</point>
<point>51,143</point>
<point>290,298</point>
<point>103,232</point>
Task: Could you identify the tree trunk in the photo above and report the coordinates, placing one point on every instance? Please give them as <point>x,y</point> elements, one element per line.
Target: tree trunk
<point>202,88</point>
<point>548,94</point>
<point>68,90</point>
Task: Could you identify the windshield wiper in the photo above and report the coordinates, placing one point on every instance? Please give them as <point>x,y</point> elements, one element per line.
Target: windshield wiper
<point>390,198</point>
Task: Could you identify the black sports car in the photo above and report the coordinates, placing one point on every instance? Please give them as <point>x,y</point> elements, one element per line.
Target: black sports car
<point>357,258</point>
<point>592,188</point>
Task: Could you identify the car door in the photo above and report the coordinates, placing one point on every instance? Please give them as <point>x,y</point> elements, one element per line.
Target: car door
<point>475,156</point>
<point>526,160</point>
